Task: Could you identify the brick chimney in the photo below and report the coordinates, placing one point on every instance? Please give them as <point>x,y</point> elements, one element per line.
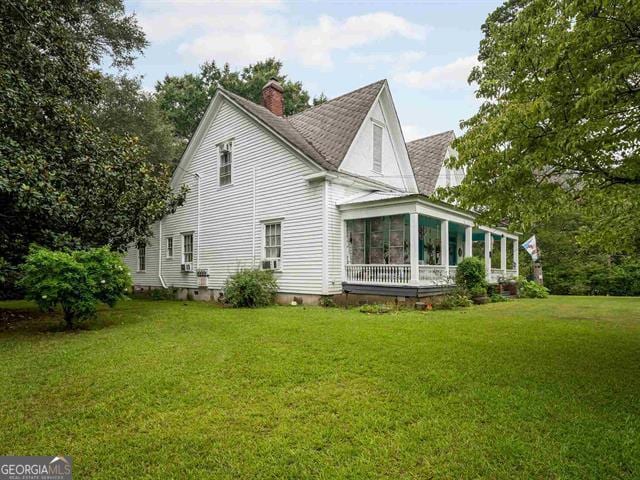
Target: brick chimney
<point>272,97</point>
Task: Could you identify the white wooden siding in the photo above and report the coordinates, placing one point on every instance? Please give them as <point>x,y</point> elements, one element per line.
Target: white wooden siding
<point>336,193</point>
<point>226,213</point>
<point>149,277</point>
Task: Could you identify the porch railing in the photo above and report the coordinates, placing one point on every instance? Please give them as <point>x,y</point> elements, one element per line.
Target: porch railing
<point>495,275</point>
<point>383,274</point>
<point>433,274</point>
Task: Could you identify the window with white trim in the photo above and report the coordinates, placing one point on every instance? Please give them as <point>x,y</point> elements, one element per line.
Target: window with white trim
<point>142,258</point>
<point>169,247</point>
<point>187,248</point>
<point>225,156</point>
<point>272,246</point>
<point>377,148</point>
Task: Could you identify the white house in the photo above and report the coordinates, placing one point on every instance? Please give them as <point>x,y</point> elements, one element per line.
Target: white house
<point>332,199</point>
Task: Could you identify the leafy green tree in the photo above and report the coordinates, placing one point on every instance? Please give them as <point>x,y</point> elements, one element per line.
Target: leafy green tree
<point>558,130</point>
<point>64,181</point>
<point>125,108</point>
<point>75,281</point>
<point>185,98</point>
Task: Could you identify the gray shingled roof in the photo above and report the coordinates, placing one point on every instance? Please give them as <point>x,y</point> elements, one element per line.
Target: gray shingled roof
<point>281,126</point>
<point>332,126</point>
<point>324,133</point>
<point>427,156</point>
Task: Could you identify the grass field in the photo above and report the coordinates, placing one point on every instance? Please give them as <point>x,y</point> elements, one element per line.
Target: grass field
<point>524,389</point>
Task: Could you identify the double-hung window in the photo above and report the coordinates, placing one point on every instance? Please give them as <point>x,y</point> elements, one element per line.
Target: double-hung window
<point>187,248</point>
<point>272,246</point>
<point>225,154</point>
<point>377,148</point>
<point>142,258</point>
<point>169,247</point>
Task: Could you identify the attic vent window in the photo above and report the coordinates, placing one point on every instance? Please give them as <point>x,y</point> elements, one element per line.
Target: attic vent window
<point>377,148</point>
<point>225,154</point>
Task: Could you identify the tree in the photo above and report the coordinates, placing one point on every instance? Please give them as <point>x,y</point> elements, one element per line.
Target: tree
<point>75,281</point>
<point>63,181</point>
<point>125,109</point>
<point>559,127</point>
<point>185,98</point>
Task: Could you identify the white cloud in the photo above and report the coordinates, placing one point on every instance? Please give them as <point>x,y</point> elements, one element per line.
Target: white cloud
<point>397,61</point>
<point>314,44</point>
<point>413,132</point>
<point>239,32</point>
<point>173,18</point>
<point>452,76</point>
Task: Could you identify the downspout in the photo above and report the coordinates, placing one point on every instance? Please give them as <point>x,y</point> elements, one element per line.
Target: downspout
<point>253,220</point>
<point>198,225</point>
<point>325,238</point>
<point>164,285</point>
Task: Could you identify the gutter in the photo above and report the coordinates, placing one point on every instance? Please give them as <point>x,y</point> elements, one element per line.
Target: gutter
<point>162,282</point>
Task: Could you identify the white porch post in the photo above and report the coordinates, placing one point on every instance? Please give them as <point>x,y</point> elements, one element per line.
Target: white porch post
<point>516,267</point>
<point>468,242</point>
<point>413,250</point>
<point>487,254</point>
<point>444,246</point>
<point>503,255</point>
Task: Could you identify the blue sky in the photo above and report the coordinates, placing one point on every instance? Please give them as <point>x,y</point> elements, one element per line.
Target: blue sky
<point>424,48</point>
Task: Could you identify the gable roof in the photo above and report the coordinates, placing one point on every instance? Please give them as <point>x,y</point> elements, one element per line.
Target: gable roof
<point>323,133</point>
<point>427,156</point>
<point>281,126</point>
<point>332,126</point>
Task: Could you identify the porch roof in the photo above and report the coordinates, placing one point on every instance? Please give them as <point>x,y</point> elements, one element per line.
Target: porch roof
<point>379,203</point>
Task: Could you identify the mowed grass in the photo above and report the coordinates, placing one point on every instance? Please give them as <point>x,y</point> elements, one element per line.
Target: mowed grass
<point>524,389</point>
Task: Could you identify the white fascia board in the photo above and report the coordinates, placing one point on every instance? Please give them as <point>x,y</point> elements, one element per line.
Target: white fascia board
<point>398,141</point>
<point>195,140</point>
<point>350,180</point>
<point>272,132</point>
<point>417,204</point>
<point>397,130</point>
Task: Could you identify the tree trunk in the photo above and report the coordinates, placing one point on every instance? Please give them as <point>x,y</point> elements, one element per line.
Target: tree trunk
<point>68,318</point>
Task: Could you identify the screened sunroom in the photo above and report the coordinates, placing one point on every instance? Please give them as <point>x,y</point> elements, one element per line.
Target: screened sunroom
<point>409,240</point>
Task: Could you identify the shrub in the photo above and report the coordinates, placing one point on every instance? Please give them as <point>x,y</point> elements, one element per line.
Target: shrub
<point>530,289</point>
<point>497,298</point>
<point>375,308</point>
<point>470,274</point>
<point>478,291</point>
<point>76,281</point>
<point>162,294</point>
<point>251,288</point>
<point>327,301</point>
<point>456,299</point>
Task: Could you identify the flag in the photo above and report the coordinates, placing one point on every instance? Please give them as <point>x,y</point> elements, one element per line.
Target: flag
<point>531,246</point>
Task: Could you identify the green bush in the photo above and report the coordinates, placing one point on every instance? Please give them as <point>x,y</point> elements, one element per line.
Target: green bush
<point>76,281</point>
<point>497,298</point>
<point>375,308</point>
<point>470,274</point>
<point>327,301</point>
<point>478,291</point>
<point>456,299</point>
<point>251,288</point>
<point>162,294</point>
<point>530,289</point>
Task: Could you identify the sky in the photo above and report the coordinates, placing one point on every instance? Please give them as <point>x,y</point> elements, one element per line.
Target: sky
<point>425,49</point>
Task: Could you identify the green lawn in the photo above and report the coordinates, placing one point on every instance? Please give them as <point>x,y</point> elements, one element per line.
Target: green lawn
<point>524,389</point>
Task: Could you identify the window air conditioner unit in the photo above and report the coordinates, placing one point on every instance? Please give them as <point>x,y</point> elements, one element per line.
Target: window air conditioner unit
<point>270,264</point>
<point>187,267</point>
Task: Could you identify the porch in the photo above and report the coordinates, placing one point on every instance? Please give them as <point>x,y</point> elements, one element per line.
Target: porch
<point>409,241</point>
